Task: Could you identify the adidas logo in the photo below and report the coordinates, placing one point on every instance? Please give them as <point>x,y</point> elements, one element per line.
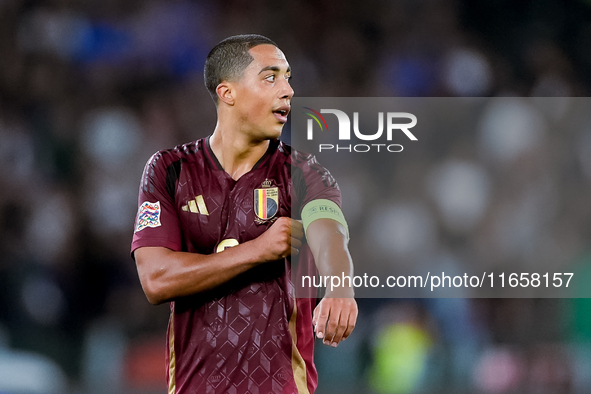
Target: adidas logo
<point>197,205</point>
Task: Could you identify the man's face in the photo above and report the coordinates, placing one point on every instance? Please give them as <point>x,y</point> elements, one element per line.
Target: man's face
<point>263,94</point>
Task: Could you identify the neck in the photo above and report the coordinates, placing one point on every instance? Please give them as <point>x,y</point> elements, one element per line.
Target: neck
<point>236,151</point>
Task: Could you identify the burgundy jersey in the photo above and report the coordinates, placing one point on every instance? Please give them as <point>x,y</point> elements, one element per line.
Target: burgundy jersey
<point>250,335</point>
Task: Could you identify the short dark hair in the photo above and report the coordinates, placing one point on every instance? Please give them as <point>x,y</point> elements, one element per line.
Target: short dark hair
<point>228,60</point>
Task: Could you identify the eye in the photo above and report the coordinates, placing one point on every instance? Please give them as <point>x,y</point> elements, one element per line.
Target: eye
<point>288,77</point>
<point>270,78</point>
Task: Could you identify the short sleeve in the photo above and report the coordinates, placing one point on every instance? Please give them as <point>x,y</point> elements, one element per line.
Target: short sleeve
<point>157,221</point>
<point>312,181</point>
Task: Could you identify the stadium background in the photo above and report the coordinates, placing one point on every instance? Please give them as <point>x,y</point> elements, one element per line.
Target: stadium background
<point>90,89</point>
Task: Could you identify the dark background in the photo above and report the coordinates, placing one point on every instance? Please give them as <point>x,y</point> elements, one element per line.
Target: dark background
<point>90,89</point>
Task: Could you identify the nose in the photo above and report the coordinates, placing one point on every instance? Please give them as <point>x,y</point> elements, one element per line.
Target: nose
<point>286,90</point>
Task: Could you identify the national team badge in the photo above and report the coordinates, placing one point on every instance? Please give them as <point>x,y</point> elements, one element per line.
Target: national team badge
<point>148,215</point>
<point>266,202</point>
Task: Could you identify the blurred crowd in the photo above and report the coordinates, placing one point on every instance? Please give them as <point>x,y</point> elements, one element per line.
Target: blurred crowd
<point>90,89</point>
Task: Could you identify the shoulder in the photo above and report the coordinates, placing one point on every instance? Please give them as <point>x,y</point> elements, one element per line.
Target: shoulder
<point>297,157</point>
<point>164,166</point>
<point>306,170</point>
<point>306,161</point>
<point>165,157</point>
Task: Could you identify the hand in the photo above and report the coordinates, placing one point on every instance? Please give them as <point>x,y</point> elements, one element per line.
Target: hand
<point>282,239</point>
<point>334,319</point>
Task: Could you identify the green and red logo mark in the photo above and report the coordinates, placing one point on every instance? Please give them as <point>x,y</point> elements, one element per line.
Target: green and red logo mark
<point>315,116</point>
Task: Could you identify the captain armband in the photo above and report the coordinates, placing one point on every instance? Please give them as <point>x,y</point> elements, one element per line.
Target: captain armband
<point>323,209</point>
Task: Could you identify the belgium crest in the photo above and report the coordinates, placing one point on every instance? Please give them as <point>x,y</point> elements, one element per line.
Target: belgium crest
<point>266,202</point>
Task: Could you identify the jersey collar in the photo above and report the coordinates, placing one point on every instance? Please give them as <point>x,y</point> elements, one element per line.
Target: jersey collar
<point>214,162</point>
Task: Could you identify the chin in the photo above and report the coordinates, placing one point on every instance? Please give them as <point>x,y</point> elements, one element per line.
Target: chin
<point>272,135</point>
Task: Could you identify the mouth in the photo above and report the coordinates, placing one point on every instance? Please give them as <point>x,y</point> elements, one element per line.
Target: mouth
<point>281,113</point>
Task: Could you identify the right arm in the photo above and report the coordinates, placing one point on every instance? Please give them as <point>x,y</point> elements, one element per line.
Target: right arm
<point>166,274</point>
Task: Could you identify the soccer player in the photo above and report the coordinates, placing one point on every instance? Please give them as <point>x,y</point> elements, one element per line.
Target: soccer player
<point>214,236</point>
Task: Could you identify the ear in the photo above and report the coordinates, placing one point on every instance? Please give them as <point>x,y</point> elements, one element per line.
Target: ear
<point>225,92</point>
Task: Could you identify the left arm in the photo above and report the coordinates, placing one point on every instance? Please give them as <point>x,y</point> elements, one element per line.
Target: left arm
<point>336,314</point>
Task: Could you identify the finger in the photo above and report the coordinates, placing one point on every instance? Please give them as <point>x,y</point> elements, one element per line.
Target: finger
<point>296,243</point>
<point>294,251</point>
<point>297,232</point>
<point>321,317</point>
<point>332,326</point>
<point>315,315</point>
<point>297,224</point>
<point>340,329</point>
<point>350,323</point>
<point>284,223</point>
